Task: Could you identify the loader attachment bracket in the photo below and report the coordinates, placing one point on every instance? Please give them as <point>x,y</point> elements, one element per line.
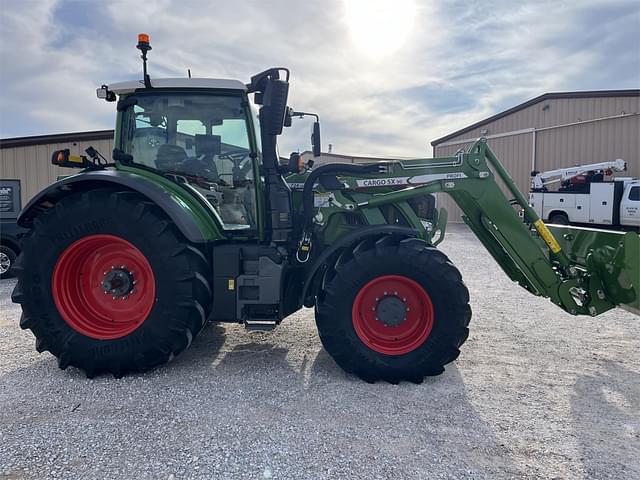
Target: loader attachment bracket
<point>612,261</point>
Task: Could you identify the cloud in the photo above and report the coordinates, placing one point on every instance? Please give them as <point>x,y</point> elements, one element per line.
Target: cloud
<point>459,61</point>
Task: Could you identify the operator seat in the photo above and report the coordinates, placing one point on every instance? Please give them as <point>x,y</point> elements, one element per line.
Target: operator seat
<point>169,156</point>
<point>145,143</point>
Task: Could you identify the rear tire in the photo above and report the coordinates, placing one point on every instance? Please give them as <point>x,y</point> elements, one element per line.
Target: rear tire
<point>393,309</point>
<point>7,259</point>
<point>159,300</point>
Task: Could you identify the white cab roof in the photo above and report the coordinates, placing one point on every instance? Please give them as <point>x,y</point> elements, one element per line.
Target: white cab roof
<point>132,85</point>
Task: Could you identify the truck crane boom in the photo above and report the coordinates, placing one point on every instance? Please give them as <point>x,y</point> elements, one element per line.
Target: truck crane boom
<point>539,180</point>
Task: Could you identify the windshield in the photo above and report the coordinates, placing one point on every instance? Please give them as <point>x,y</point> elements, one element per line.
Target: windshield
<point>198,139</point>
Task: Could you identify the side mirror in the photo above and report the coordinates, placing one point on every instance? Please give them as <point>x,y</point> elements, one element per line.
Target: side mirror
<point>274,106</point>
<point>315,139</point>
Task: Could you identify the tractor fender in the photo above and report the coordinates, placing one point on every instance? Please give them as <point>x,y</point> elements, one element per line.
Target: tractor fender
<point>96,179</point>
<point>347,241</point>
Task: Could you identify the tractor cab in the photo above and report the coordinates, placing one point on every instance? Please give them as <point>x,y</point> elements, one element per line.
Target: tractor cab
<point>200,133</point>
<point>209,137</point>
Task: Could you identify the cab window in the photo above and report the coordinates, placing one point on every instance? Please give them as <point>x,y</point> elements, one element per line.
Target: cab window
<point>201,140</point>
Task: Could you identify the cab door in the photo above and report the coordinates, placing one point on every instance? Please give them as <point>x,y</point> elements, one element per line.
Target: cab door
<point>630,206</point>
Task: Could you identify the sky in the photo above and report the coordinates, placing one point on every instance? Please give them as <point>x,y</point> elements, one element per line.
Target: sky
<point>386,76</point>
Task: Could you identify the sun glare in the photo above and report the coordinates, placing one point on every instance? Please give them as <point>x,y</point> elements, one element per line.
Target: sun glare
<point>379,27</point>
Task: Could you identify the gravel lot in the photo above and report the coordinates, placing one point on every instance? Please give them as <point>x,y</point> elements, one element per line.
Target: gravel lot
<point>536,393</point>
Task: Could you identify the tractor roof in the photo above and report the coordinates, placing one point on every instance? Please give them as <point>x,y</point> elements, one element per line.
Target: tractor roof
<point>122,88</point>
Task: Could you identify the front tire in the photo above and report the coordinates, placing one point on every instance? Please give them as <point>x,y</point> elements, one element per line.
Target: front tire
<point>393,309</point>
<point>108,284</point>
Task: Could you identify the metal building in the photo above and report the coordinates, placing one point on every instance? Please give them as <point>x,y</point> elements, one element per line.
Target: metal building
<point>28,159</point>
<point>555,130</point>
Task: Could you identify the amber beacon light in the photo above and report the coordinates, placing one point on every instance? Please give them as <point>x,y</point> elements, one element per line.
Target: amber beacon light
<point>144,46</point>
<point>143,41</point>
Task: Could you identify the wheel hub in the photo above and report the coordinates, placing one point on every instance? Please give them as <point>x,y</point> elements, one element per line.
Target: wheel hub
<point>391,311</point>
<point>118,282</point>
<point>393,314</point>
<point>103,286</point>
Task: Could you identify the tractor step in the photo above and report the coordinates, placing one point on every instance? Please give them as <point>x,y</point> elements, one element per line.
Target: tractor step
<point>260,325</point>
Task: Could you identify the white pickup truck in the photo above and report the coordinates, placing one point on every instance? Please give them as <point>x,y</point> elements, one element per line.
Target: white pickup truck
<point>585,197</point>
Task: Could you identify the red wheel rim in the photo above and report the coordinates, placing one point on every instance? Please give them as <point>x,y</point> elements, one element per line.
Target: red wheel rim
<point>103,286</point>
<point>392,315</point>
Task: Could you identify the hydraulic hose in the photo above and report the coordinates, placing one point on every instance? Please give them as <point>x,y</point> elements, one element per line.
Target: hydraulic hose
<point>331,169</point>
<point>304,245</point>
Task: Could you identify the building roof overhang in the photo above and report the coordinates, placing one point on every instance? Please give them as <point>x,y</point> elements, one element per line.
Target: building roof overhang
<point>533,101</point>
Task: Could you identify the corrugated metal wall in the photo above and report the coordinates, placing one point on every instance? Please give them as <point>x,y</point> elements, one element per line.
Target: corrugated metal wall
<point>580,143</point>
<point>32,164</point>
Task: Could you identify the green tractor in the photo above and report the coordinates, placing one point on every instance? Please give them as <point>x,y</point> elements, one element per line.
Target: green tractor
<point>197,220</point>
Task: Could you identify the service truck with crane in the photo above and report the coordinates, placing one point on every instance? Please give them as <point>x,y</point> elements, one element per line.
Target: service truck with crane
<point>587,195</point>
<point>125,262</point>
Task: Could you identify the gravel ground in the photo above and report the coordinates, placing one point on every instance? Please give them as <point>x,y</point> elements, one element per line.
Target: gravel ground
<point>536,393</point>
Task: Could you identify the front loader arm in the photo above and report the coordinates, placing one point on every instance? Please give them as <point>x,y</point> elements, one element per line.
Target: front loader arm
<point>591,282</point>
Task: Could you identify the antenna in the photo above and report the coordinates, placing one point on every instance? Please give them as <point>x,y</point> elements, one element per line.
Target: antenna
<point>189,72</point>
<point>144,47</point>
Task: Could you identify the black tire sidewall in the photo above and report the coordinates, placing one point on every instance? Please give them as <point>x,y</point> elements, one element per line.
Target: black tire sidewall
<point>69,225</point>
<point>355,278</point>
<point>561,219</point>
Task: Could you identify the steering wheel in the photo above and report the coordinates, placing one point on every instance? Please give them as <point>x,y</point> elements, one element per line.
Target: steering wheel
<point>197,167</point>
<point>238,158</point>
